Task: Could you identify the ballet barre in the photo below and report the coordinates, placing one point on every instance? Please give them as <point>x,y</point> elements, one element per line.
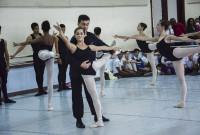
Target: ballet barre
<point>186,46</point>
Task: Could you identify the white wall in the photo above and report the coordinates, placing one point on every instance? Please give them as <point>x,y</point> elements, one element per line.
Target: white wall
<point>192,10</point>
<point>172,9</point>
<point>16,22</point>
<point>157,14</point>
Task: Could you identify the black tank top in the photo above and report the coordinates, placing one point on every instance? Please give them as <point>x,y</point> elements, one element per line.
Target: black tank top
<point>2,53</point>
<point>143,45</point>
<point>166,51</point>
<point>36,47</point>
<point>83,55</point>
<point>62,46</point>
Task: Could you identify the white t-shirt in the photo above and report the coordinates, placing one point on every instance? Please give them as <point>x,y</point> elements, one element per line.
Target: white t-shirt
<point>117,63</point>
<point>172,31</point>
<point>189,63</point>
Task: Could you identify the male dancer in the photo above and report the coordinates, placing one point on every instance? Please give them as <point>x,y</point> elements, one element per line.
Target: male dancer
<point>62,61</point>
<point>39,65</point>
<point>4,69</point>
<point>77,80</point>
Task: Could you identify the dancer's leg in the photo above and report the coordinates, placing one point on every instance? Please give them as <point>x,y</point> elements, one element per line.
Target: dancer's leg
<point>102,78</point>
<point>151,60</point>
<point>100,62</point>
<point>179,68</point>
<point>183,52</point>
<point>50,69</point>
<point>90,84</point>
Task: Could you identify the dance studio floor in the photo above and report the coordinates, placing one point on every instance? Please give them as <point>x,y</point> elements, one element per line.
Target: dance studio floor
<point>134,108</point>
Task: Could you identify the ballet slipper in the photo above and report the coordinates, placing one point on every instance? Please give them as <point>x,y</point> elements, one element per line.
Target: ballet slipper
<point>153,83</point>
<point>102,94</point>
<point>179,106</point>
<point>99,123</point>
<point>50,108</point>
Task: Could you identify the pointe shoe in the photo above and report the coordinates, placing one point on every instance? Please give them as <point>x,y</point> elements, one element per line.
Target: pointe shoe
<point>50,108</point>
<point>102,94</point>
<point>153,83</point>
<point>97,124</point>
<point>179,106</point>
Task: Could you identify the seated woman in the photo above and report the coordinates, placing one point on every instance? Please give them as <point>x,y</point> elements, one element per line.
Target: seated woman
<point>85,52</point>
<point>167,67</point>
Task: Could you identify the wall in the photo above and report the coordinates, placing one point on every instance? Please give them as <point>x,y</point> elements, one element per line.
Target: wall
<point>172,9</point>
<point>192,10</point>
<point>157,14</point>
<point>16,22</point>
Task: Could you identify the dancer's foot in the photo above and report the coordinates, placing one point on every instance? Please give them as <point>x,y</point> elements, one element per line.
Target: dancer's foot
<point>9,101</point>
<point>50,108</point>
<point>153,83</point>
<point>102,94</point>
<point>179,106</point>
<point>103,118</point>
<point>44,92</point>
<point>59,90</point>
<point>97,124</point>
<point>39,94</point>
<point>79,124</point>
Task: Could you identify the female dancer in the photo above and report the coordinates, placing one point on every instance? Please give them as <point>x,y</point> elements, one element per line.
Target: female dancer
<point>45,54</point>
<point>173,54</point>
<point>84,52</point>
<point>144,47</point>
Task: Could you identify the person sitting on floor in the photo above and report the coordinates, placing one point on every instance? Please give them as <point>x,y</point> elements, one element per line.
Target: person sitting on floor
<point>167,67</point>
<point>190,64</point>
<point>140,64</point>
<point>119,69</point>
<point>128,63</point>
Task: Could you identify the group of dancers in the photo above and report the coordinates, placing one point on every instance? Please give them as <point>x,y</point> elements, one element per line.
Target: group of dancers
<point>82,50</point>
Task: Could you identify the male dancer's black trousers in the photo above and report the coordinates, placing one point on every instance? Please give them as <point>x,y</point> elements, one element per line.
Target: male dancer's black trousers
<point>3,80</point>
<point>62,69</point>
<point>39,67</point>
<point>77,99</point>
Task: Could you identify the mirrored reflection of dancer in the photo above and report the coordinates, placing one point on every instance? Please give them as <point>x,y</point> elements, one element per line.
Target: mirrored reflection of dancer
<point>173,54</point>
<point>84,52</point>
<point>46,55</point>
<point>144,47</point>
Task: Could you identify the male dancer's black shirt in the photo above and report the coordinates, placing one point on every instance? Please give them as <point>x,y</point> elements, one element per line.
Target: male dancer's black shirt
<point>90,39</point>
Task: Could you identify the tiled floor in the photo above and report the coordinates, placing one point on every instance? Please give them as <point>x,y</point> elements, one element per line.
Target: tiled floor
<point>134,108</point>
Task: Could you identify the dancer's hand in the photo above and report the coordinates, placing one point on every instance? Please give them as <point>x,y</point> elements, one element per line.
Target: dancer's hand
<point>12,56</point>
<point>15,44</point>
<point>7,69</point>
<point>126,38</point>
<point>197,42</point>
<point>54,34</point>
<point>115,36</point>
<point>183,35</point>
<point>57,27</point>
<point>59,61</point>
<point>86,64</point>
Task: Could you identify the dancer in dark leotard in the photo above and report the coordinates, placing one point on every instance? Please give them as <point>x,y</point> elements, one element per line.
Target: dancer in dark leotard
<point>45,54</point>
<point>173,54</point>
<point>85,52</point>
<point>145,48</point>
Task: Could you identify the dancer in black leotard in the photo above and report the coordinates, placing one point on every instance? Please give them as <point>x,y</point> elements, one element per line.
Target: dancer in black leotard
<point>45,54</point>
<point>145,48</point>
<point>85,52</point>
<point>173,54</point>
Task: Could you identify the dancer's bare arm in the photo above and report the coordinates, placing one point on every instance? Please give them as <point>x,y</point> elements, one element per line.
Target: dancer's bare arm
<point>191,34</point>
<point>69,45</point>
<point>20,48</point>
<point>143,38</point>
<point>184,39</point>
<point>103,48</point>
